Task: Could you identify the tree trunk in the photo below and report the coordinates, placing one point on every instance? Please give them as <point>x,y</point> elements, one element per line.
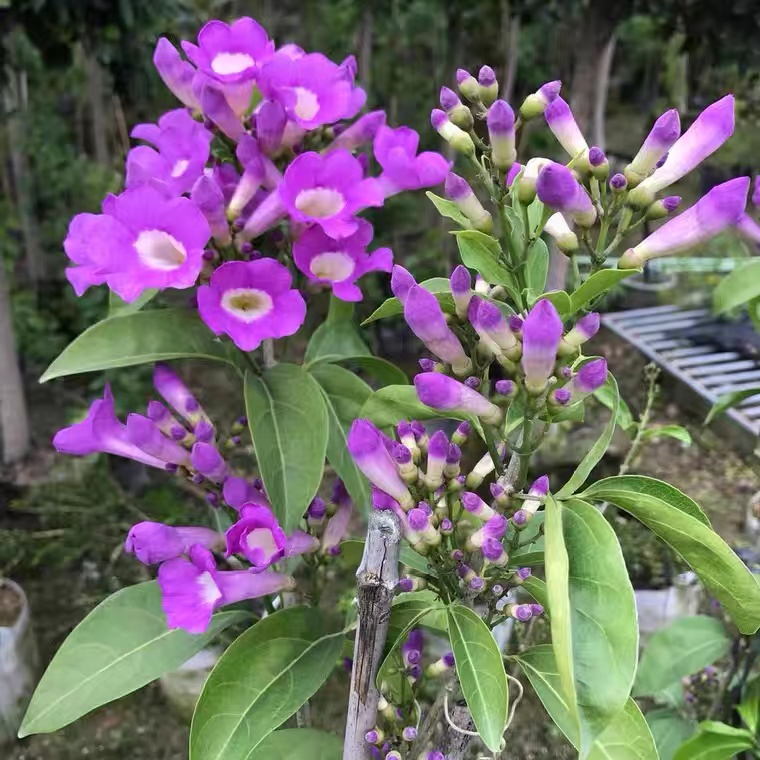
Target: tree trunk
<point>510,36</point>
<point>602,89</point>
<point>14,424</point>
<point>96,97</point>
<point>365,48</point>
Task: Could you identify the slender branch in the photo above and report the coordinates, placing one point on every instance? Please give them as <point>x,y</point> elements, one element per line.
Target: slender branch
<point>377,577</point>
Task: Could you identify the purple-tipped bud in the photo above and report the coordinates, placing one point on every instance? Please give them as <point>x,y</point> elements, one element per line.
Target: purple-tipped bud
<point>537,609</point>
<point>562,396</point>
<point>515,323</point>
<point>454,454</point>
<point>671,203</point>
<point>401,283</point>
<point>660,209</point>
<point>489,87</point>
<point>446,527</point>
<point>468,85</point>
<point>461,433</point>
<point>501,133</point>
<point>520,518</point>
<point>457,555</point>
<point>557,188</point>
<point>461,289</point>
<point>447,394</point>
<point>499,494</point>
<point>497,590</point>
<point>458,190</point>
<point>472,382</point>
<point>438,449</point>
<point>618,183</point>
<point>317,509</point>
<point>540,486</point>
<point>720,209</point>
<point>521,612</point>
<point>454,135</point>
<point>505,387</point>
<point>596,156</point>
<point>209,462</point>
<point>409,734</point>
<point>449,99</point>
<point>373,736</point>
<point>476,506</point>
<point>495,527</point>
<point>494,552</point>
<point>477,583</point>
<point>401,454</point>
<point>542,332</point>
<point>524,573</point>
<point>562,123</point>
<point>406,584</point>
<point>486,76</point>
<point>660,139</point>
<point>492,328</point>
<point>590,377</point>
<point>535,104</point>
<point>427,365</point>
<point>585,329</point>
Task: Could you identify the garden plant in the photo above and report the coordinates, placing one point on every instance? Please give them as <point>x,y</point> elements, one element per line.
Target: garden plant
<point>252,198</point>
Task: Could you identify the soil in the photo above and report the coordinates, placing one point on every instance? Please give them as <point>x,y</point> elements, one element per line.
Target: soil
<point>11,605</point>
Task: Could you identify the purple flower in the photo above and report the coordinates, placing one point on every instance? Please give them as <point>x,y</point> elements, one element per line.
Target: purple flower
<point>403,169</point>
<point>562,123</point>
<point>328,190</point>
<point>535,104</point>
<point>401,283</point>
<point>239,491</point>
<point>659,141</point>
<point>367,449</point>
<point>146,435</point>
<point>266,214</point>
<point>257,536</point>
<point>230,53</point>
<point>501,132</point>
<point>180,154</point>
<point>340,262</point>
<point>411,649</point>
<point>178,395</point>
<point>101,431</point>
<point>467,202</point>
<point>252,160</point>
<point>512,173</point>
<point>557,226</point>
<point>495,527</point>
<point>209,198</point>
<point>337,525</point>
<point>153,542</point>
<point>494,552</point>
<point>270,119</point>
<point>251,301</point>
<point>476,506</point>
<point>589,378</point>
<point>722,207</point>
<point>424,316</point>
<point>446,394</point>
<point>313,89</point>
<point>542,332</point>
<point>492,327</point>
<point>749,229</point>
<point>585,329</point>
<point>193,588</point>
<point>756,192</point>
<point>214,98</point>
<point>176,73</point>
<point>618,182</point>
<point>207,460</point>
<point>361,132</point>
<point>461,289</point>
<point>708,132</point>
<point>557,188</point>
<point>141,240</point>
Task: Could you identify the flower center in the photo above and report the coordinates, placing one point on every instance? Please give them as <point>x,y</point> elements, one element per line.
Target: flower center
<point>231,63</point>
<point>320,202</point>
<point>247,304</point>
<point>332,265</point>
<point>179,168</point>
<point>263,540</point>
<point>159,250</point>
<point>209,591</point>
<point>307,103</point>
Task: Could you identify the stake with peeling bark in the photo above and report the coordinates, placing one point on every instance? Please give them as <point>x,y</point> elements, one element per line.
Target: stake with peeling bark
<point>377,577</point>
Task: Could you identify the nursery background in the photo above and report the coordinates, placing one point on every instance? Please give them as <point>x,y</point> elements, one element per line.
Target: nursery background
<point>75,75</point>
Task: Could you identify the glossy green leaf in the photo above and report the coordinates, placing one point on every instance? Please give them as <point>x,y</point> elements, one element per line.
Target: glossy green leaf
<point>449,209</point>
<point>481,673</point>
<point>597,451</point>
<point>600,629</point>
<point>537,266</point>
<point>670,730</point>
<point>627,737</point>
<point>715,742</point>
<point>392,307</point>
<point>606,396</point>
<point>537,589</point>
<point>389,405</point>
<point>344,395</point>
<point>142,337</point>
<point>531,555</point>
<point>117,307</point>
<point>729,400</point>
<point>337,337</point>
<point>737,288</point>
<point>383,371</point>
<point>299,743</point>
<point>260,681</point>
<point>288,418</point>
<point>668,431</point>
<point>685,646</point>
<point>483,253</point>
<point>720,570</point>
<point>120,646</point>
<point>749,708</point>
<point>561,302</point>
<point>596,284</point>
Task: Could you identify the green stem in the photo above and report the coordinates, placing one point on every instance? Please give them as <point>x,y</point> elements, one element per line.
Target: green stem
<point>492,450</point>
<point>525,451</point>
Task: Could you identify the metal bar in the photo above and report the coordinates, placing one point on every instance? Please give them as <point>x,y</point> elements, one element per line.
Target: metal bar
<point>667,327</point>
<point>710,367</point>
<point>647,319</point>
<point>731,377</point>
<point>702,359</point>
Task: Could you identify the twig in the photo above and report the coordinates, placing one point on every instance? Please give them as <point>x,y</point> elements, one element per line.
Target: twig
<point>377,577</point>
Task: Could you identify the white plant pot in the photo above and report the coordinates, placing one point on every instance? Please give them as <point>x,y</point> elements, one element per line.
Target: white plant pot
<point>657,609</point>
<point>182,687</point>
<point>18,663</point>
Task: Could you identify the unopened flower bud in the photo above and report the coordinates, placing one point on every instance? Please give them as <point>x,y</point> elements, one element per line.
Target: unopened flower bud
<point>483,468</point>
<point>585,329</point>
<point>520,612</point>
<point>660,209</point>
<point>489,87</point>
<point>459,191</point>
<point>439,667</point>
<point>453,456</point>
<point>428,365</point>
<point>374,736</point>
<point>461,433</point>
<point>506,388</point>
<point>526,190</point>
<point>600,166</point>
<point>468,85</point>
<point>409,734</point>
<point>460,114</point>
<point>537,609</point>
<point>408,439</point>
<point>446,527</point>
<point>476,506</point>
<point>454,136</point>
<point>461,290</point>
<point>618,183</point>
<point>501,132</point>
<point>558,227</point>
<point>494,552</point>
<point>535,104</point>
<point>438,449</point>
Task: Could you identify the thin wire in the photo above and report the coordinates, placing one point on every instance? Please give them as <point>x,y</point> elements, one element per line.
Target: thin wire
<point>516,702</point>
<point>449,721</point>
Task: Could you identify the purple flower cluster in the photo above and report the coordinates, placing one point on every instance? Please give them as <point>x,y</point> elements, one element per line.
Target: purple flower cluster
<point>241,92</point>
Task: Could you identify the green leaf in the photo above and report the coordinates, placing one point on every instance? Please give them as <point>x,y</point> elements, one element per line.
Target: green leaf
<point>385,372</point>
<point>531,555</point>
<point>483,253</point>
<point>344,395</point>
<point>669,730</point>
<point>537,589</point>
<point>298,743</point>
<point>601,627</point>
<point>715,742</point>
<point>627,737</point>
<point>392,307</point>
<point>561,302</point>
<point>481,673</point>
<point>737,288</point>
<point>597,451</point>
<point>597,284</point>
<point>719,569</point>
<point>389,405</point>
<point>606,396</point>
<point>142,337</point>
<point>337,337</point>
<point>749,708</point>
<point>728,400</point>
<point>120,646</point>
<point>449,209</point>
<point>537,266</point>
<point>260,681</point>
<point>687,645</point>
<point>117,307</point>
<point>669,431</point>
<point>288,418</point>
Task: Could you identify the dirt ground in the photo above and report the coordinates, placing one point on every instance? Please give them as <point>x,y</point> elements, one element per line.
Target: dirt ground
<point>141,727</point>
